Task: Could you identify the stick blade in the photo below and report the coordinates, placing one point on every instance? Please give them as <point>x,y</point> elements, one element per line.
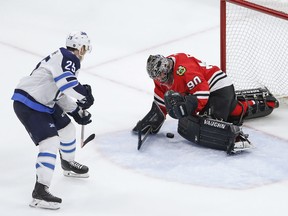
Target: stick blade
<point>142,140</point>
<point>91,137</point>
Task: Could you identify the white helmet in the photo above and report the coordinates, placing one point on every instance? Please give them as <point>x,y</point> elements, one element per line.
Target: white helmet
<point>159,66</point>
<point>77,39</point>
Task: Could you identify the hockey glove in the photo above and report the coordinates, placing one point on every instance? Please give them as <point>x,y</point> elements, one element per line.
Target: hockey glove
<point>88,100</point>
<point>80,117</point>
<point>154,119</point>
<point>179,106</point>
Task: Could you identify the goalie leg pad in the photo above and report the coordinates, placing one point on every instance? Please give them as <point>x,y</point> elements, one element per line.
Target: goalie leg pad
<point>264,104</point>
<point>210,133</point>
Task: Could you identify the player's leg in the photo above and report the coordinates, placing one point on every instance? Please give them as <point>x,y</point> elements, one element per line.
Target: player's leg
<point>45,166</point>
<point>253,103</point>
<point>220,103</point>
<point>67,136</point>
<point>67,151</point>
<point>42,130</point>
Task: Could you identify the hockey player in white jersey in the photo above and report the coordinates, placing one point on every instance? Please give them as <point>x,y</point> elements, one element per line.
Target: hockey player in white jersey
<point>42,102</point>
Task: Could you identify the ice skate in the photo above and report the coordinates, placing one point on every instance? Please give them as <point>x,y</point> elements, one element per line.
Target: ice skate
<point>42,198</point>
<point>242,143</point>
<point>74,169</point>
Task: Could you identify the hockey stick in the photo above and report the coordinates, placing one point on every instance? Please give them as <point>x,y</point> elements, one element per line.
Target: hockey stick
<point>91,137</point>
<point>140,139</point>
<point>82,135</point>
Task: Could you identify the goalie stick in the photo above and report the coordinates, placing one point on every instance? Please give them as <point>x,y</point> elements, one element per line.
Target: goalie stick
<point>140,139</point>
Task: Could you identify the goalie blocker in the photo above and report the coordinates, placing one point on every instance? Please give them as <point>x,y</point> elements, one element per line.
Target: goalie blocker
<point>213,133</point>
<point>154,119</point>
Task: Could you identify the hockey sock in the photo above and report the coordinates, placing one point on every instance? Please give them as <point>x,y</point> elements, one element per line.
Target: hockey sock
<point>46,159</point>
<point>68,142</point>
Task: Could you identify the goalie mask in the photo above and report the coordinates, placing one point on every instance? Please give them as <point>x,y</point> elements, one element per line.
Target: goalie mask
<point>77,40</point>
<point>159,68</point>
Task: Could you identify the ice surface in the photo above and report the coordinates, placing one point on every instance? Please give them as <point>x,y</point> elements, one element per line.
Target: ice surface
<point>168,176</point>
<point>181,161</point>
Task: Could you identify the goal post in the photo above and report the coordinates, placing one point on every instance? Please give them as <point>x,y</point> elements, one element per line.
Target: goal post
<point>254,44</point>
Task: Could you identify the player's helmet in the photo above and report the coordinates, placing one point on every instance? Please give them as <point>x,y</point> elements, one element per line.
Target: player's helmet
<point>159,67</point>
<point>77,39</point>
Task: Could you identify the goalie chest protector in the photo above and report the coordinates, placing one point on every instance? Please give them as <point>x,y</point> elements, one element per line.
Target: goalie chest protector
<point>208,132</point>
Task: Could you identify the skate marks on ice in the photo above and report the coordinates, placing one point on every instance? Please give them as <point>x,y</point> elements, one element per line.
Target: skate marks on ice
<point>182,161</point>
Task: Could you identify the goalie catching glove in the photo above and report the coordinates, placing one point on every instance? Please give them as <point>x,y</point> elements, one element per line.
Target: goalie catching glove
<point>179,106</point>
<point>80,116</point>
<point>154,119</point>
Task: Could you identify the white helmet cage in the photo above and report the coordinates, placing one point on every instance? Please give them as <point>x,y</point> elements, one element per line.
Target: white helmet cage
<point>158,65</point>
<point>77,39</point>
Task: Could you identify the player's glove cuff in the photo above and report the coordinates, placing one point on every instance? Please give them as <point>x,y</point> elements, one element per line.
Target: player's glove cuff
<point>80,116</point>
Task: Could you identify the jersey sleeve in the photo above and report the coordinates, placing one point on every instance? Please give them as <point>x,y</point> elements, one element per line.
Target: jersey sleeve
<point>189,78</point>
<point>67,104</point>
<point>159,97</point>
<point>65,76</point>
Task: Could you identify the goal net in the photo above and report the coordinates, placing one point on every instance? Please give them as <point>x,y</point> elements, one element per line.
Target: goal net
<point>254,44</point>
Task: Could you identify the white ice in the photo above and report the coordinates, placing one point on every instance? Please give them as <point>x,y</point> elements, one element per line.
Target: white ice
<point>168,176</point>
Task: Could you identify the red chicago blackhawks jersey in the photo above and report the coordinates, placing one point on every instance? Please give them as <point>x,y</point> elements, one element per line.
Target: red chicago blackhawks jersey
<point>192,76</point>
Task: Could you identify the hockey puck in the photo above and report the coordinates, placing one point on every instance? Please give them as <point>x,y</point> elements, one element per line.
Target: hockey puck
<point>170,135</point>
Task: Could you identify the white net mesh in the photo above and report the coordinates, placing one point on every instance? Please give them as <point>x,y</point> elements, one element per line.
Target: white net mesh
<point>257,47</point>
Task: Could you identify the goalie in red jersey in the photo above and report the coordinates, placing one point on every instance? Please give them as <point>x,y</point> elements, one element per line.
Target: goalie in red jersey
<point>203,98</point>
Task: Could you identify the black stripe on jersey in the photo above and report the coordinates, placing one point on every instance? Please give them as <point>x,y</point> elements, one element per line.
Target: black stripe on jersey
<point>217,78</point>
<point>202,94</point>
<point>71,78</point>
<point>159,101</point>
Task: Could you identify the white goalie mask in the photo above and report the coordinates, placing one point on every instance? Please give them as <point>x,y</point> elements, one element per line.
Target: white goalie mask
<point>78,39</point>
<point>159,68</point>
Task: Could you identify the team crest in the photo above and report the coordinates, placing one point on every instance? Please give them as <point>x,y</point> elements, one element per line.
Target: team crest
<point>181,70</point>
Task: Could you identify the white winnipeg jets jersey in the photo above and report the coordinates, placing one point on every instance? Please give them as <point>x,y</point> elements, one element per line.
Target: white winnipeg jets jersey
<point>54,80</point>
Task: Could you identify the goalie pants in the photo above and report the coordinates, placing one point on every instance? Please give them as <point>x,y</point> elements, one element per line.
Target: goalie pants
<point>221,103</point>
<point>50,132</point>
